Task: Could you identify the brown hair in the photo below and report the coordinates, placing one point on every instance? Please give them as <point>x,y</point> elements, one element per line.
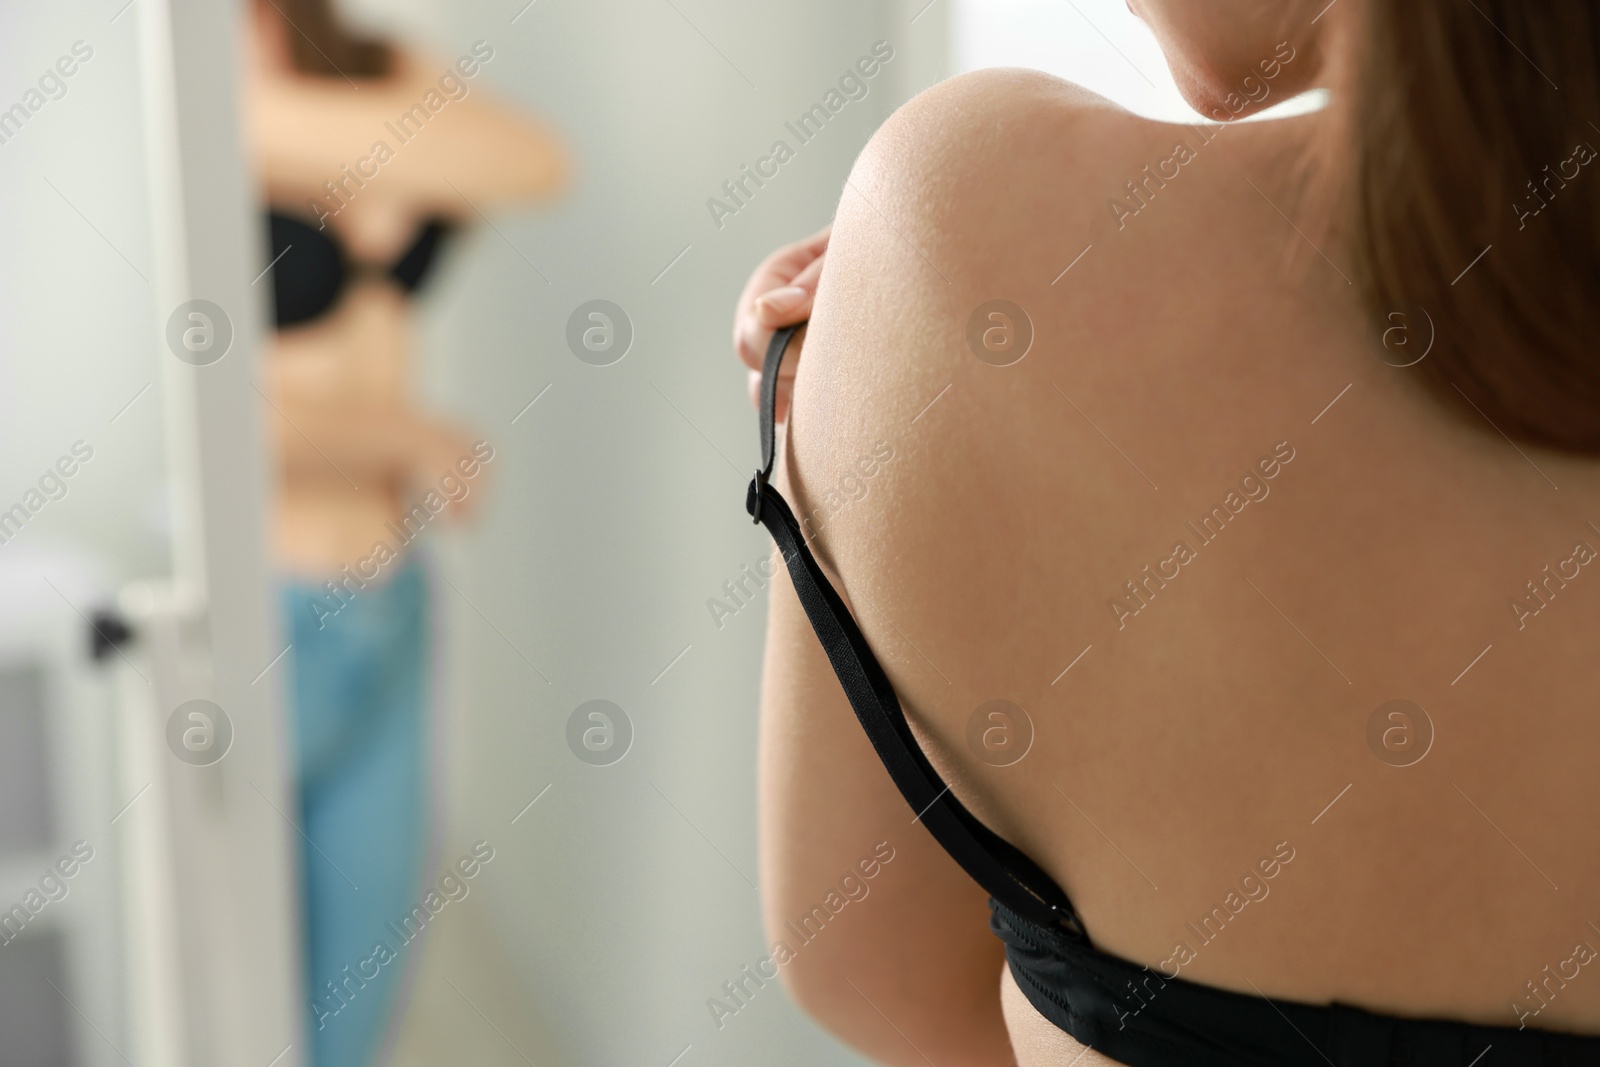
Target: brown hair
<point>1467,144</point>
<point>321,44</point>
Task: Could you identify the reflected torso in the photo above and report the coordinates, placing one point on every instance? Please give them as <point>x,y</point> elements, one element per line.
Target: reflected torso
<point>356,358</point>
<point>352,440</point>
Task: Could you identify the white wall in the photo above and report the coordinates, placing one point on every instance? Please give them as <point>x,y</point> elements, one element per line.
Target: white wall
<point>76,346</point>
<point>1098,44</point>
<point>75,302</point>
<point>623,896</point>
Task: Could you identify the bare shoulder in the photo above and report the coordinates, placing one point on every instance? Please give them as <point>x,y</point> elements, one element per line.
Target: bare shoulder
<point>984,186</point>
<point>976,152</point>
<point>1016,186</point>
<point>1009,243</point>
<point>975,269</point>
<point>1009,109</point>
<point>1001,368</point>
<point>969,284</point>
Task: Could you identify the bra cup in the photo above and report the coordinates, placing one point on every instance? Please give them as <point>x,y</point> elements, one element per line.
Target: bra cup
<point>308,271</point>
<point>416,262</point>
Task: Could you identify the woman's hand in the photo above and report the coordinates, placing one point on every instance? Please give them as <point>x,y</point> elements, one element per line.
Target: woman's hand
<point>779,293</point>
<point>436,466</point>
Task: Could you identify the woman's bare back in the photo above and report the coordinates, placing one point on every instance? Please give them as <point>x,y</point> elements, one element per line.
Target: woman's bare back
<point>1263,602</point>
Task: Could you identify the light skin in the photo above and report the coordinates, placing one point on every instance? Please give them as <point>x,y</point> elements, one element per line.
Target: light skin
<point>1229,712</point>
<point>779,293</point>
<point>354,447</point>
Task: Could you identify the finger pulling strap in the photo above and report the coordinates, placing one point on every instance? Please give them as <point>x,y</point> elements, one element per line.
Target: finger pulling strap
<point>1004,871</point>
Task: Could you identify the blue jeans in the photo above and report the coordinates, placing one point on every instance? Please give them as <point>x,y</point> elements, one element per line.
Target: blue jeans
<point>359,678</point>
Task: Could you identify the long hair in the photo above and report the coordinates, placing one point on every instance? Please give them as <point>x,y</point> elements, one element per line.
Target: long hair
<point>321,44</point>
<point>1476,197</point>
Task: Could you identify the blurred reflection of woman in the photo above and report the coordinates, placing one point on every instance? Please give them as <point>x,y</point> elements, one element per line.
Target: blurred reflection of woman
<point>369,156</point>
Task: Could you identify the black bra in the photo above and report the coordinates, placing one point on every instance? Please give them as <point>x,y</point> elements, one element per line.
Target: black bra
<point>310,269</point>
<point>1121,1009</point>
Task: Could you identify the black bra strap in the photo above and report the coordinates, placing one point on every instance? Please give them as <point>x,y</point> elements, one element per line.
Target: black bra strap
<point>994,863</point>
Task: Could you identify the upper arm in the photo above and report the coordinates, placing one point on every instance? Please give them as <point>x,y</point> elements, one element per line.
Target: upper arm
<point>909,260</point>
<point>477,145</point>
<point>907,961</point>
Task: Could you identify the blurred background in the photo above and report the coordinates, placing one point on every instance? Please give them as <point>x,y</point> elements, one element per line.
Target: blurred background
<point>153,910</point>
